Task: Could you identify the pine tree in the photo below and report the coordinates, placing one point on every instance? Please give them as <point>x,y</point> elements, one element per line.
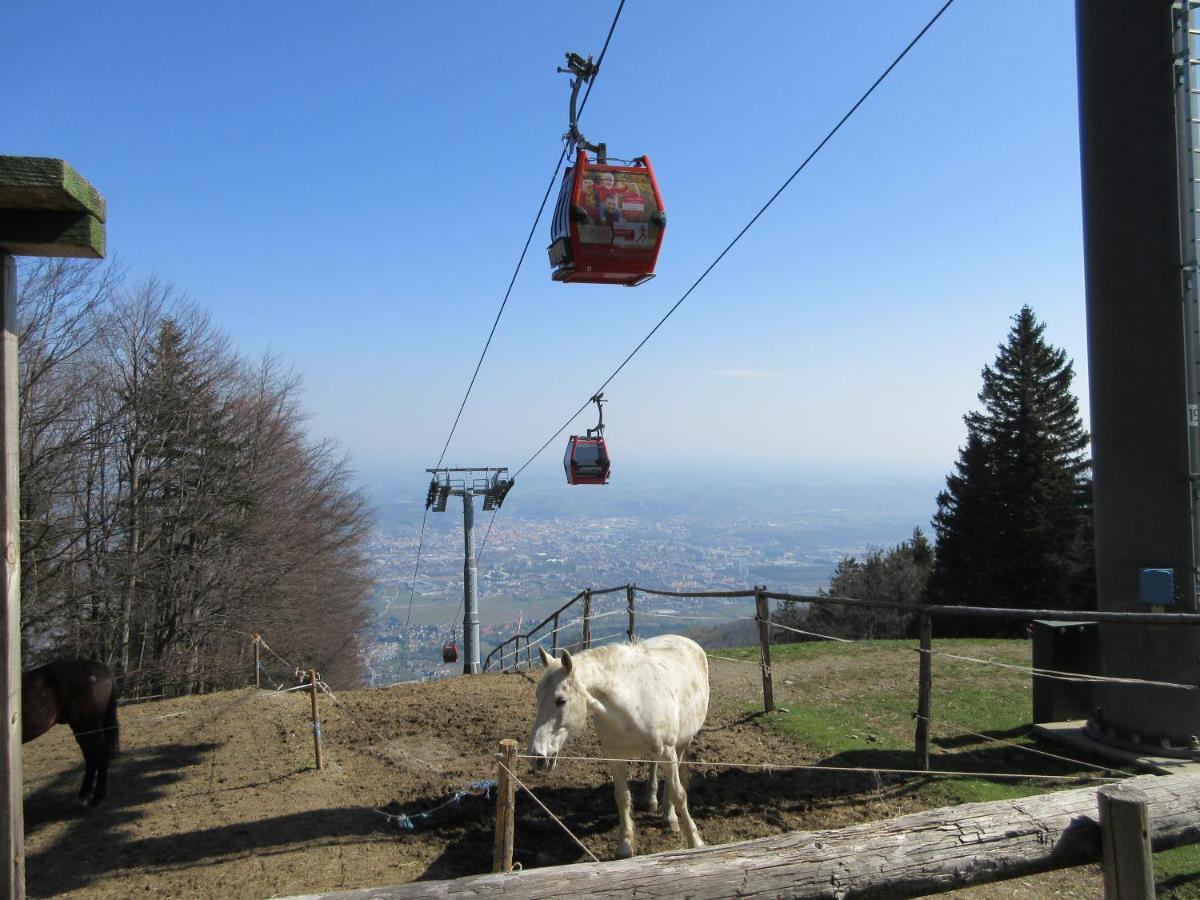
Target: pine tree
<point>1012,525</point>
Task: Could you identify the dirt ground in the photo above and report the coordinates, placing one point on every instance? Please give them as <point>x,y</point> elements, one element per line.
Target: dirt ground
<point>218,796</point>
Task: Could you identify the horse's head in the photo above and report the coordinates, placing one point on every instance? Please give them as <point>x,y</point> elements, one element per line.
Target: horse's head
<point>562,709</point>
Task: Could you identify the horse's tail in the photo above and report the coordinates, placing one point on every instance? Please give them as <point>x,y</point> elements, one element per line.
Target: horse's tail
<point>112,731</point>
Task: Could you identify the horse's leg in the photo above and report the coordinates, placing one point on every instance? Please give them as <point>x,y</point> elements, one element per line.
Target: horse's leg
<point>101,783</point>
<point>679,799</point>
<point>89,783</point>
<point>652,789</point>
<point>670,816</point>
<point>95,774</point>
<point>626,844</point>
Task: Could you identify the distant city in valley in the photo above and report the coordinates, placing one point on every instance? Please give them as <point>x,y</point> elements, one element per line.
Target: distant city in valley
<point>549,542</point>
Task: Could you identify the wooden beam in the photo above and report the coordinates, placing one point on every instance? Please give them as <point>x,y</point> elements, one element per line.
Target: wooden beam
<point>909,856</point>
<point>12,826</point>
<point>33,233</point>
<point>36,183</point>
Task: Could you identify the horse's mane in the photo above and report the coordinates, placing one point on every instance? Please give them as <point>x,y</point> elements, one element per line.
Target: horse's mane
<point>609,654</point>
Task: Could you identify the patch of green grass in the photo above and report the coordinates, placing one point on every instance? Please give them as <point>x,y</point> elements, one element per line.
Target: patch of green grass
<point>1177,873</point>
<point>853,704</point>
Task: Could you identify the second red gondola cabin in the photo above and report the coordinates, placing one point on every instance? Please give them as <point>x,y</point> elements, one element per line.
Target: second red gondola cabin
<point>586,460</point>
<point>608,223</point>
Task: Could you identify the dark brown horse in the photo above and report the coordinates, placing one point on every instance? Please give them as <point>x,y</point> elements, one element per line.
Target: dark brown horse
<point>79,693</point>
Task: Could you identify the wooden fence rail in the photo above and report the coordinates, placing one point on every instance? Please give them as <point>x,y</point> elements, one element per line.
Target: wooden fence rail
<point>762,597</point>
<point>909,856</point>
<point>933,611</point>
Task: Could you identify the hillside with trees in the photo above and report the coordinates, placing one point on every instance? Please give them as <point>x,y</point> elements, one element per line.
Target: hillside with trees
<point>171,503</point>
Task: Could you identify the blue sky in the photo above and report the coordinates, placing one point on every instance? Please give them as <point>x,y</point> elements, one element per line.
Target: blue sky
<point>349,185</point>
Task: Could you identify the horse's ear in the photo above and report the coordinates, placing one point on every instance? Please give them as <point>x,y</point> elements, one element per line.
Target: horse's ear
<point>566,661</point>
<point>545,657</point>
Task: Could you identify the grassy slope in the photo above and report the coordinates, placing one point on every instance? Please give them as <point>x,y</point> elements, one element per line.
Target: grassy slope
<point>858,711</point>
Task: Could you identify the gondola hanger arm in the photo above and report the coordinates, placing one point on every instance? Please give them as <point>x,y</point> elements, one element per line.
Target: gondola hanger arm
<point>583,70</point>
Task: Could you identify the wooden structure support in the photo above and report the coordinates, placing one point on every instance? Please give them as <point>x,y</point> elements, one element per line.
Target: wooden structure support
<point>46,209</point>
<point>910,856</point>
<point>12,826</point>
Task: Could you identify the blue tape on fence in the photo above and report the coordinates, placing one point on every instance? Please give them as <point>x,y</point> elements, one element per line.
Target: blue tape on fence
<point>408,823</point>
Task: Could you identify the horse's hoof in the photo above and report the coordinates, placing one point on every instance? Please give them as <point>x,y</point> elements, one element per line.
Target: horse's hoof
<point>624,850</point>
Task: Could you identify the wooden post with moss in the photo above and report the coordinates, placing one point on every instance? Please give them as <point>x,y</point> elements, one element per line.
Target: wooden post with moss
<point>924,692</point>
<point>316,719</point>
<point>506,810</point>
<point>762,612</point>
<point>46,209</point>
<point>258,660</point>
<point>630,593</point>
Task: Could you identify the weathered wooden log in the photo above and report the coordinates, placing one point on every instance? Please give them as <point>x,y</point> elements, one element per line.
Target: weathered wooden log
<point>909,856</point>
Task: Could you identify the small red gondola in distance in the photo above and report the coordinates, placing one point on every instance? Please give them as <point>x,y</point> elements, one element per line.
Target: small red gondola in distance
<point>450,652</point>
<point>586,460</point>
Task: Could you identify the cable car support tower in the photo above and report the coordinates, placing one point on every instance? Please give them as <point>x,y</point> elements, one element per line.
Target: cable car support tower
<point>493,485</point>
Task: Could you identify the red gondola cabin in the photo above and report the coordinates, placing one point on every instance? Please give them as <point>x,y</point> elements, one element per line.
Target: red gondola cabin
<point>586,460</point>
<point>450,652</point>
<point>608,223</point>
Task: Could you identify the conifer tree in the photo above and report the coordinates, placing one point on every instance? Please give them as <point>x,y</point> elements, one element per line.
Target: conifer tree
<point>1013,524</point>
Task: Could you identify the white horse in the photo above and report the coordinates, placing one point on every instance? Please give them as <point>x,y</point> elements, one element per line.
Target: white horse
<point>647,699</point>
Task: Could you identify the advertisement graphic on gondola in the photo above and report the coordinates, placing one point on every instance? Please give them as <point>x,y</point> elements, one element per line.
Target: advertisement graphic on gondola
<point>618,207</point>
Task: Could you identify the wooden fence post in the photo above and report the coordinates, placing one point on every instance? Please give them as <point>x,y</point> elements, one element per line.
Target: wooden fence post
<point>630,590</point>
<point>257,661</point>
<point>586,639</point>
<point>763,614</point>
<point>316,722</point>
<point>506,795</point>
<point>924,691</point>
<point>554,639</point>
<point>1125,842</point>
